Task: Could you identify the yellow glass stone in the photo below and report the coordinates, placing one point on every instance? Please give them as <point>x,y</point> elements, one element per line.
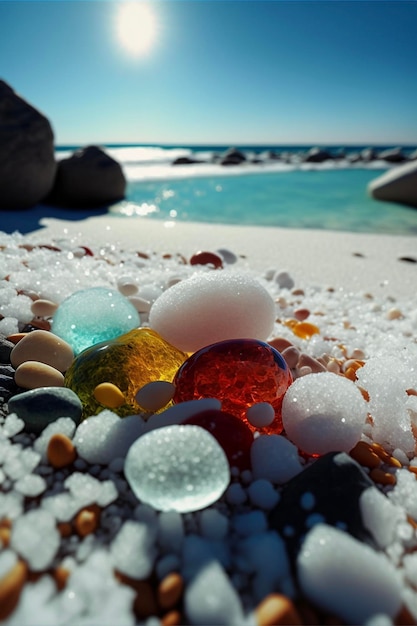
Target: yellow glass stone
<point>129,362</point>
<point>305,330</point>
<point>109,395</point>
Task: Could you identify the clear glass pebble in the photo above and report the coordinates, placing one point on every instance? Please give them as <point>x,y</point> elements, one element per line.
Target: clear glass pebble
<point>179,468</point>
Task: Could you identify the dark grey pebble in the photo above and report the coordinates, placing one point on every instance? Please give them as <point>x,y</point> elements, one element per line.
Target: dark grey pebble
<point>6,347</point>
<point>335,482</point>
<point>39,407</point>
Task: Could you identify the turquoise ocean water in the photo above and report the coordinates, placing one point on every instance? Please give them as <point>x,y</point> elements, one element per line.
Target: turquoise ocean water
<point>284,193</point>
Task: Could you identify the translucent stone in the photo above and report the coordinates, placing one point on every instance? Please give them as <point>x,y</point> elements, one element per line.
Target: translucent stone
<point>177,468</point>
<point>239,373</point>
<point>129,362</point>
<point>91,316</point>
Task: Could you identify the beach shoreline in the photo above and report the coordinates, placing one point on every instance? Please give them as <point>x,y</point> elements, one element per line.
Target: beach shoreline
<point>379,264</point>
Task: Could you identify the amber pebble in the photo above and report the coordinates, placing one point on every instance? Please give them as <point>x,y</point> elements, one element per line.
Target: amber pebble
<point>33,374</point>
<point>16,337</point>
<point>5,534</point>
<point>43,346</point>
<point>60,575</point>
<point>277,609</point>
<point>381,452</point>
<point>11,586</point>
<point>207,258</point>
<point>413,469</point>
<point>364,455</point>
<point>87,520</point>
<point>305,330</point>
<point>43,308</point>
<point>61,451</point>
<point>145,603</point>
<point>383,478</point>
<point>64,529</point>
<point>172,618</point>
<point>109,395</point>
<point>155,395</point>
<point>170,590</point>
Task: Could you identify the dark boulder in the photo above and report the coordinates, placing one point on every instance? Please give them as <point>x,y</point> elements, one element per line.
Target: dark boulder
<point>88,178</point>
<point>393,155</point>
<point>184,160</point>
<point>27,157</point>
<point>317,155</point>
<point>232,157</point>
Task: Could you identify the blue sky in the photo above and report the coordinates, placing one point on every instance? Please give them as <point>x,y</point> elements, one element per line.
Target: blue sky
<point>219,71</point>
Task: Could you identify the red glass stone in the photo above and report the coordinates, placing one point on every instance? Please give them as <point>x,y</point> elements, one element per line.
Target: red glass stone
<point>207,258</point>
<point>239,373</point>
<point>230,432</point>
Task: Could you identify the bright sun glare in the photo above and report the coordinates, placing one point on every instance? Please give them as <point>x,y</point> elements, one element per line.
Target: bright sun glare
<point>136,27</point>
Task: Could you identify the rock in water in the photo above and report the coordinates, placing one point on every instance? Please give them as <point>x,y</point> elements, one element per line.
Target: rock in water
<point>27,158</point>
<point>396,185</point>
<point>88,178</point>
<point>129,362</point>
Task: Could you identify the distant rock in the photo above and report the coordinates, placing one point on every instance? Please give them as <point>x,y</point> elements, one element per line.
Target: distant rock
<point>396,185</point>
<point>232,157</point>
<point>317,155</point>
<point>393,155</point>
<point>88,178</point>
<point>27,161</point>
<point>185,160</point>
<point>368,154</point>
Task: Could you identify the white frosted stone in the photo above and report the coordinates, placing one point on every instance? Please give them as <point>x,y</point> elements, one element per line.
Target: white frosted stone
<point>133,549</point>
<point>323,413</point>
<point>30,485</point>
<point>12,425</point>
<point>275,459</point>
<point>380,516</point>
<point>211,307</point>
<point>36,538</point>
<point>210,598</point>
<point>346,577</point>
<point>180,468</point>
<point>103,437</point>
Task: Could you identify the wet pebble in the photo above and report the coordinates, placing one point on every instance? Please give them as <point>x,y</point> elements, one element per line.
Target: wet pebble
<point>39,407</point>
<point>33,374</point>
<point>43,308</point>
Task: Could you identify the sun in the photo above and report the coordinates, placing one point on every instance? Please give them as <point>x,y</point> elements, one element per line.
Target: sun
<point>136,27</point>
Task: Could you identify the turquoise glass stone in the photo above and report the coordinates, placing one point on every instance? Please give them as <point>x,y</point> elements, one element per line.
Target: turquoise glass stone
<point>91,316</point>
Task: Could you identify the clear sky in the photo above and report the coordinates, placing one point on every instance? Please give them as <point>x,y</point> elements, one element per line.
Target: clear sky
<point>216,71</point>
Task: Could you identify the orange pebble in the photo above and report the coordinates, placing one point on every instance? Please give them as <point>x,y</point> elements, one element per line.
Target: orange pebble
<point>5,534</point>
<point>277,609</point>
<point>61,451</point>
<point>364,455</point>
<point>109,395</point>
<point>64,529</point>
<point>305,330</point>
<point>383,478</point>
<point>381,452</point>
<point>170,590</point>
<point>16,337</point>
<point>60,576</point>
<point>87,520</point>
<point>413,469</point>
<point>11,586</point>
<point>172,618</point>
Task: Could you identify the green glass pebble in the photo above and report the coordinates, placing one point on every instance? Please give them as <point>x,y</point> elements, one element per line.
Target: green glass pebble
<point>130,361</point>
<point>39,407</point>
<point>91,316</point>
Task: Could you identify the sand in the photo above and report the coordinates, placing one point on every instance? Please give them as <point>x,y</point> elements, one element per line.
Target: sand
<point>356,262</point>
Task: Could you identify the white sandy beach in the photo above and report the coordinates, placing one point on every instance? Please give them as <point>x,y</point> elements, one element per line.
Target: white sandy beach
<point>356,262</point>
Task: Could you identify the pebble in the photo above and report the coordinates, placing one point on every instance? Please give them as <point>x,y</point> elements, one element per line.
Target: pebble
<point>109,395</point>
<point>212,307</point>
<point>39,407</point>
<point>261,414</point>
<point>43,308</point>
<point>61,451</point>
<point>170,591</point>
<point>207,258</point>
<point>11,586</point>
<point>323,412</point>
<point>43,346</point>
<point>155,395</point>
<point>277,609</point>
<point>34,374</point>
<point>192,473</point>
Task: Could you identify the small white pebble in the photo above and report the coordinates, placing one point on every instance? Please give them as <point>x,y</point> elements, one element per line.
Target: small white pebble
<point>262,494</point>
<point>260,414</point>
<point>155,395</point>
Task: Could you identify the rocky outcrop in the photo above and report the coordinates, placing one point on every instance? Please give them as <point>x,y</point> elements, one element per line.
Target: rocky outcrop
<point>88,178</point>
<point>27,161</point>
<point>393,155</point>
<point>317,155</point>
<point>396,185</point>
<point>232,157</point>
